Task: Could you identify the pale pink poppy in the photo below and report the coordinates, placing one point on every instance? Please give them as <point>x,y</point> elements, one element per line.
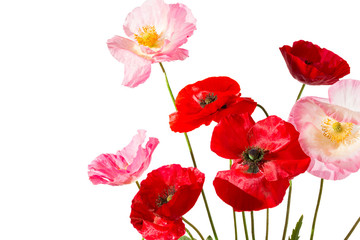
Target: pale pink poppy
<point>126,166</point>
<point>156,31</point>
<point>330,130</point>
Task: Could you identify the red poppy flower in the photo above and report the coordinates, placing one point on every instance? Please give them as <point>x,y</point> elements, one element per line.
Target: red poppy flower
<point>266,156</point>
<point>164,197</point>
<point>313,65</point>
<point>208,100</point>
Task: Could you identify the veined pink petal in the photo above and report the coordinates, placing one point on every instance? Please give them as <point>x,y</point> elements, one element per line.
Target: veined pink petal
<point>345,93</point>
<point>329,159</point>
<point>177,54</point>
<point>181,25</point>
<point>137,68</point>
<point>131,150</point>
<point>126,166</point>
<point>143,158</point>
<point>150,13</point>
<point>303,112</point>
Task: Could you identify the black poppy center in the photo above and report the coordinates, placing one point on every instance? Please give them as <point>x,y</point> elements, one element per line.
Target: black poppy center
<point>211,97</point>
<point>308,62</point>
<point>253,157</point>
<point>166,196</point>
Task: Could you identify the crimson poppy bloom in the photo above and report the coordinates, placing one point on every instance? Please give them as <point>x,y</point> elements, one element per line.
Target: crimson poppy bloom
<point>164,197</point>
<point>312,65</point>
<point>266,156</point>
<point>208,100</point>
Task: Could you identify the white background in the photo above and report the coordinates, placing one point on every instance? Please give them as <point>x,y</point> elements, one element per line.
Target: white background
<point>62,104</point>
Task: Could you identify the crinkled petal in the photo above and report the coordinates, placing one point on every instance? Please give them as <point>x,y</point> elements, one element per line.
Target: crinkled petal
<point>105,169</point>
<point>151,226</point>
<point>303,112</point>
<point>345,93</point>
<point>339,160</point>
<point>181,25</point>
<point>272,134</point>
<point>137,68</point>
<point>229,138</point>
<point>150,13</point>
<point>249,192</point>
<point>184,183</point>
<point>126,166</point>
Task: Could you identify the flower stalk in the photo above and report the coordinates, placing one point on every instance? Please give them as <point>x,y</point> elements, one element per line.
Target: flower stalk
<point>191,154</point>
<point>352,229</point>
<point>193,227</point>
<point>317,209</point>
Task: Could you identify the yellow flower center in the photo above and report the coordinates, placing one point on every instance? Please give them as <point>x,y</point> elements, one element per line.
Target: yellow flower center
<point>147,36</point>
<point>339,132</point>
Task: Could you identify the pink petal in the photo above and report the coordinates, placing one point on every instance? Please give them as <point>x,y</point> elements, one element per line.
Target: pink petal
<point>303,113</point>
<point>143,158</point>
<point>150,13</point>
<point>105,169</point>
<point>346,93</point>
<point>137,68</point>
<point>126,166</point>
<point>181,25</point>
<point>131,150</point>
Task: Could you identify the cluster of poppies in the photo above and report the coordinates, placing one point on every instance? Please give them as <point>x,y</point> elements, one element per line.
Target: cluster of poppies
<point>321,136</point>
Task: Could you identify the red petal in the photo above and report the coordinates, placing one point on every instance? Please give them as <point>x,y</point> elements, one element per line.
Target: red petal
<point>187,183</point>
<point>248,192</point>
<point>272,134</point>
<point>153,227</point>
<point>229,138</point>
<point>313,65</point>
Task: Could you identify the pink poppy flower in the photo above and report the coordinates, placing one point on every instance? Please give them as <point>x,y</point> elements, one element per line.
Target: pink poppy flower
<point>330,130</point>
<point>126,166</point>
<point>156,31</point>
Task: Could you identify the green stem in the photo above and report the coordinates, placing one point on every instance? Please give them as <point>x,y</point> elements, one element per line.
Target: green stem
<point>235,227</point>
<point>317,208</point>
<point>290,187</point>
<point>191,154</point>
<point>245,226</point>
<point>234,214</point>
<point>301,90</point>
<point>262,108</point>
<point>267,224</point>
<point>252,225</point>
<point>352,229</point>
<point>138,184</point>
<point>188,232</point>
<point>287,212</point>
<point>193,227</point>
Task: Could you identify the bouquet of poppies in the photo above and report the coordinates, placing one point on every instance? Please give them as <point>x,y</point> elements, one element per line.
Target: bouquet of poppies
<point>321,135</point>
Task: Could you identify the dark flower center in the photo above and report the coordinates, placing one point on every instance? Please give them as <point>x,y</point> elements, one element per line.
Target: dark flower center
<point>166,196</point>
<point>253,157</point>
<point>210,97</point>
<point>307,62</point>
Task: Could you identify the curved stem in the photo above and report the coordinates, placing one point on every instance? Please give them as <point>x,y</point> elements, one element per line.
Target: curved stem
<point>168,85</point>
<point>245,226</point>
<point>191,154</point>
<point>287,211</point>
<point>352,229</point>
<point>317,208</point>
<point>267,224</point>
<point>252,225</point>
<point>262,108</point>
<point>138,184</point>
<point>188,232</point>
<point>301,90</point>
<point>193,227</point>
